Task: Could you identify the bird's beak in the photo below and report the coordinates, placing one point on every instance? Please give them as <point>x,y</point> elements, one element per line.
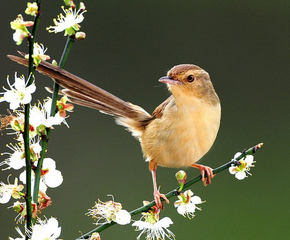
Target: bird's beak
<point>169,80</point>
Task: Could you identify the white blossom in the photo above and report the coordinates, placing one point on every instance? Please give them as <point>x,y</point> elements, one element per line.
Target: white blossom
<point>18,93</point>
<point>186,204</point>
<point>157,230</point>
<point>10,190</point>
<point>243,169</point>
<point>46,230</point>
<point>68,23</point>
<point>123,217</point>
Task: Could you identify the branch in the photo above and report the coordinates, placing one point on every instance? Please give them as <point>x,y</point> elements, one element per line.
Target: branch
<point>28,199</point>
<point>44,140</point>
<point>175,191</point>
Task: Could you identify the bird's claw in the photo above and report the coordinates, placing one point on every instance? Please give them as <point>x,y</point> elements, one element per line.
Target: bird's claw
<point>157,198</point>
<point>209,174</point>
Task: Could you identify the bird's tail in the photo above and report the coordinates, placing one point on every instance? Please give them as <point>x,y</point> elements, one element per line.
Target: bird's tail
<point>86,94</point>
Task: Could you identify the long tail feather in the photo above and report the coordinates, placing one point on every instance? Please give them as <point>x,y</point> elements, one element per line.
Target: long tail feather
<point>87,94</point>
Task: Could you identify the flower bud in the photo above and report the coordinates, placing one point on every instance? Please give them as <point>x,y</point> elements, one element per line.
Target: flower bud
<point>54,63</point>
<point>41,130</point>
<point>32,9</point>
<point>69,3</point>
<point>181,178</point>
<point>80,36</point>
<point>95,236</point>
<point>82,6</point>
<point>43,200</point>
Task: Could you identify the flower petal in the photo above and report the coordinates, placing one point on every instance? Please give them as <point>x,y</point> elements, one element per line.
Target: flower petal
<point>237,154</point>
<point>49,163</point>
<point>190,208</point>
<point>232,170</point>
<point>53,178</point>
<point>123,217</point>
<point>196,200</point>
<point>26,99</point>
<point>240,175</point>
<point>13,105</point>
<point>164,222</point>
<point>249,160</point>
<point>31,88</point>
<point>181,209</point>
<point>141,225</point>
<point>188,193</point>
<point>5,197</point>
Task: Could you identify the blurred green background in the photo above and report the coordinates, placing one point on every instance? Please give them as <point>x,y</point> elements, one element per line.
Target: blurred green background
<point>244,45</point>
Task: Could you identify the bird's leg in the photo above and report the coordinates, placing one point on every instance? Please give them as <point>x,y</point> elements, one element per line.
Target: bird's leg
<point>204,169</point>
<point>157,194</point>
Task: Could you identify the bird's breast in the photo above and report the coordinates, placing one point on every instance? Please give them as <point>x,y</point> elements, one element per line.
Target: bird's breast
<point>181,136</point>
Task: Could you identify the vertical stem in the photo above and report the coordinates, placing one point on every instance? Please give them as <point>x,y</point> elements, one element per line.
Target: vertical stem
<point>28,167</point>
<point>44,141</point>
<point>62,63</point>
<point>31,40</point>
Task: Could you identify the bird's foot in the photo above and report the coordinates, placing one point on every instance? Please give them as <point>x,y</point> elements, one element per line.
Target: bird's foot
<point>205,169</point>
<point>209,175</point>
<point>157,198</point>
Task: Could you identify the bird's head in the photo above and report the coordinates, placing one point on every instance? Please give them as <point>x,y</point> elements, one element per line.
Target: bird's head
<point>190,80</point>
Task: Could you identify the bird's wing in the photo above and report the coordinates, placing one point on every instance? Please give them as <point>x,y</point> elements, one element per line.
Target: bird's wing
<point>158,112</point>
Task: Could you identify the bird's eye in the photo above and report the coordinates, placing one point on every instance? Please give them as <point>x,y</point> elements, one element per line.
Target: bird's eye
<point>190,78</point>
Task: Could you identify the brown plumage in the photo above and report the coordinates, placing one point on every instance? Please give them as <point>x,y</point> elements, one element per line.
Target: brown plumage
<point>178,133</point>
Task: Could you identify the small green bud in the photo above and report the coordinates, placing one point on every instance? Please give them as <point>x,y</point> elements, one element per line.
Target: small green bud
<point>181,178</point>
<point>54,63</point>
<point>41,130</point>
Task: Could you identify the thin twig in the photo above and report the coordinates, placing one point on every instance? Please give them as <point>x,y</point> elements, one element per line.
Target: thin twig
<point>28,199</point>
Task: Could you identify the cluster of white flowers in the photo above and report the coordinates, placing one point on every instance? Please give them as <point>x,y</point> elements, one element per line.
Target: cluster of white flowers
<point>17,95</point>
<point>186,205</point>
<point>20,27</point>
<point>41,120</point>
<point>149,224</point>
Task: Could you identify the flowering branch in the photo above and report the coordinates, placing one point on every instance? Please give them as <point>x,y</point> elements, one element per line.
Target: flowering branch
<point>31,69</point>
<point>44,139</point>
<point>176,191</point>
<point>33,124</point>
<point>66,51</point>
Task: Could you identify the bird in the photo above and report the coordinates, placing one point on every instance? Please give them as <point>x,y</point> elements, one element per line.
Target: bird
<point>179,132</point>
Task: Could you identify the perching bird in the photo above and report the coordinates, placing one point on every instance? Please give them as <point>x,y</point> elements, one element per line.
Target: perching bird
<point>177,134</point>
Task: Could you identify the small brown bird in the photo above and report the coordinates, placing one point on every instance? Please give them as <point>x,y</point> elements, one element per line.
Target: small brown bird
<point>179,132</point>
